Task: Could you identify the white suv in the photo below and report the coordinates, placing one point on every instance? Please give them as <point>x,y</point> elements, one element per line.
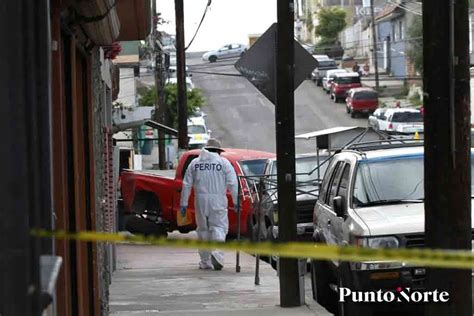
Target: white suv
<point>370,197</point>
<point>401,121</point>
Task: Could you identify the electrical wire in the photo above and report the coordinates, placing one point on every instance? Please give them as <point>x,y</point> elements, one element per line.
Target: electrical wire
<point>200,23</point>
<point>404,8</point>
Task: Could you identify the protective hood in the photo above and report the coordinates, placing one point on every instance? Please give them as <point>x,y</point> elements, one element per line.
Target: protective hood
<point>206,155</point>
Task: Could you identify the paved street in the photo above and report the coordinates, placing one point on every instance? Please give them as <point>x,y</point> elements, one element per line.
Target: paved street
<point>241,117</point>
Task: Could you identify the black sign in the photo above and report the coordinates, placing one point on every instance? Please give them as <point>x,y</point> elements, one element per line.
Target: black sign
<point>258,64</point>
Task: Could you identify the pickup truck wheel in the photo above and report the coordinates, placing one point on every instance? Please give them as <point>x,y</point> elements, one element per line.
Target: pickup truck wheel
<point>320,279</point>
<point>136,224</point>
<point>146,203</point>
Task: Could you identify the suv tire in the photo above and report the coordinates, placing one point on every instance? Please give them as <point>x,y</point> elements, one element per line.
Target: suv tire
<point>320,279</point>
<point>348,308</point>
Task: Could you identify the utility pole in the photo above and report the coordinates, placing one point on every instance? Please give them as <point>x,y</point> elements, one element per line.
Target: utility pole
<point>447,164</point>
<point>374,45</point>
<point>181,76</point>
<point>160,106</point>
<point>285,150</point>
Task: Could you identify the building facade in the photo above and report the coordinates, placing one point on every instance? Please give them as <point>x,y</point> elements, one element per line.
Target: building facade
<point>61,86</point>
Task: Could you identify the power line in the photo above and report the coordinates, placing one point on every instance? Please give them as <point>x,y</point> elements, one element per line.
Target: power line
<point>200,23</point>
<point>401,6</point>
<point>217,73</point>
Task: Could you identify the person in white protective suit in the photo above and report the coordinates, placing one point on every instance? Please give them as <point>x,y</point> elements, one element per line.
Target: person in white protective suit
<point>210,175</point>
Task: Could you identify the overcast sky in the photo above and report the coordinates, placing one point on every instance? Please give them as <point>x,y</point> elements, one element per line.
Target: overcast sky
<point>228,21</point>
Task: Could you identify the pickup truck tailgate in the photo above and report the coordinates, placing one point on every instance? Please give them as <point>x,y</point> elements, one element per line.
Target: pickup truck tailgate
<point>170,174</point>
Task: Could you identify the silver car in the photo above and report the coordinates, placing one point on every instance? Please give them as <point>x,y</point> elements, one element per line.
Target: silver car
<point>226,51</point>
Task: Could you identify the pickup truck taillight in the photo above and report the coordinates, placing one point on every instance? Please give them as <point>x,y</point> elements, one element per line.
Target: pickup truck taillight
<point>390,126</point>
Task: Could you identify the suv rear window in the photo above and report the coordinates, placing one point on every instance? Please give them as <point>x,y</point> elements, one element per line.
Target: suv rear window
<point>347,80</point>
<point>196,129</point>
<point>401,117</point>
<point>327,63</point>
<point>365,95</point>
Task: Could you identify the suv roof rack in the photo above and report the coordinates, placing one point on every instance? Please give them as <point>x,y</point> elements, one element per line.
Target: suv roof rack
<point>386,141</point>
<point>384,144</point>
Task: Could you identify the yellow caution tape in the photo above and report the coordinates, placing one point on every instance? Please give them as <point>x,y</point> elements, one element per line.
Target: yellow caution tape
<point>461,259</point>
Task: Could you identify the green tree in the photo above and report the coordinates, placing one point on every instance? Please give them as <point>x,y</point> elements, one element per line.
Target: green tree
<point>415,52</point>
<point>332,20</point>
<point>195,101</point>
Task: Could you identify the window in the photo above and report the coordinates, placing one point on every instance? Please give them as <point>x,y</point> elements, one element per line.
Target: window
<point>235,46</point>
<point>335,183</point>
<point>365,95</point>
<point>401,30</point>
<point>327,63</point>
<point>410,117</point>
<point>347,80</point>
<point>326,182</point>
<point>303,166</point>
<point>196,129</point>
<point>344,185</point>
<point>186,164</point>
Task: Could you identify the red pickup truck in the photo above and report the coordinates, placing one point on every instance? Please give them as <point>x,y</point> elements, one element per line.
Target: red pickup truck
<point>155,194</point>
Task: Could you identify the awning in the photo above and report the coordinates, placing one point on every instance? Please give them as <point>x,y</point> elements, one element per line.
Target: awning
<point>337,137</point>
<point>160,127</point>
<point>135,19</point>
<point>99,20</point>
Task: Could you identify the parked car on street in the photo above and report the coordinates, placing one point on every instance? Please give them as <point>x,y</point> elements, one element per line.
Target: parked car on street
<point>401,121</point>
<point>154,195</point>
<point>198,134</point>
<point>226,51</point>
<point>172,72</point>
<point>361,100</point>
<point>198,117</point>
<point>189,82</point>
<point>378,114</point>
<point>371,196</point>
<point>308,180</point>
<point>342,83</point>
<point>320,72</point>
<point>329,77</point>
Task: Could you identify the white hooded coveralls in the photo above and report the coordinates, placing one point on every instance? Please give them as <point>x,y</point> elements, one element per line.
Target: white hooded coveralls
<point>210,175</point>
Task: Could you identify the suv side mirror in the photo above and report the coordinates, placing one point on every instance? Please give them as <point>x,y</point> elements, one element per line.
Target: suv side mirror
<point>337,206</point>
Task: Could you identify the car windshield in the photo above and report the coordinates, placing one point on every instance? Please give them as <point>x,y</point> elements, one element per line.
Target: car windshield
<point>347,80</point>
<point>401,117</point>
<point>254,167</point>
<point>365,95</point>
<point>196,129</point>
<point>306,165</point>
<point>327,63</point>
<point>377,183</point>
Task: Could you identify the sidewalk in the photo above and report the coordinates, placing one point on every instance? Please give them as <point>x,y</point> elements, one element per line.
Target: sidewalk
<point>160,281</point>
